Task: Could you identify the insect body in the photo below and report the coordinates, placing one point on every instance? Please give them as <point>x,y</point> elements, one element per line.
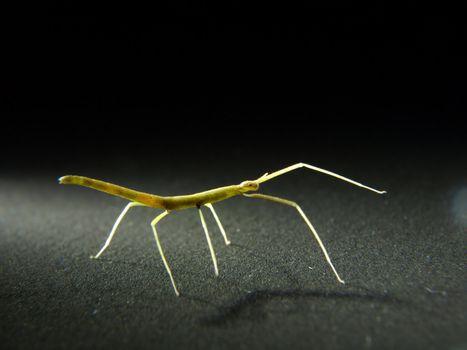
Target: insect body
<point>197,200</point>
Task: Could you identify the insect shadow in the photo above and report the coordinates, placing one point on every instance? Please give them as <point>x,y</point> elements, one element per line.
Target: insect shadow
<point>250,306</point>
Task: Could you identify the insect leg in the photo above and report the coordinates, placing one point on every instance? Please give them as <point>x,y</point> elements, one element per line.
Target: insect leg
<point>153,225</point>
<point>209,205</point>
<point>211,249</point>
<point>300,211</point>
<point>267,177</point>
<point>114,228</point>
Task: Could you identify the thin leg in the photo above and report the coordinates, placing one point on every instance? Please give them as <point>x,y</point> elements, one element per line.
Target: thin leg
<point>267,177</point>
<point>153,225</point>
<point>300,211</point>
<point>211,249</point>
<point>114,228</point>
<point>209,205</point>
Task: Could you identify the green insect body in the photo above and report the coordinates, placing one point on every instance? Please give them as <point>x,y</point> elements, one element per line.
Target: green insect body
<point>198,200</point>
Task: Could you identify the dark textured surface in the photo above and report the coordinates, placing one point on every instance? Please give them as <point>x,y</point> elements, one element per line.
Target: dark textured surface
<point>174,97</point>
<point>402,255</point>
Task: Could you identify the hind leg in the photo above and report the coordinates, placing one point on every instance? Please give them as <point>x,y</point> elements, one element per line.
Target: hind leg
<point>115,226</point>
<point>161,252</point>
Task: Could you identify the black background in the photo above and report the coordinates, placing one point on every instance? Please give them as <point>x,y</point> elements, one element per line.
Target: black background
<point>175,98</point>
<point>189,75</point>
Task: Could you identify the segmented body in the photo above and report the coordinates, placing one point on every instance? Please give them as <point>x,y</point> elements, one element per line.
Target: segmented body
<point>206,198</point>
<point>154,201</point>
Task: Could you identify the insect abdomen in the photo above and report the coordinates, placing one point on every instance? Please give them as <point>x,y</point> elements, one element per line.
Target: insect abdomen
<point>132,195</point>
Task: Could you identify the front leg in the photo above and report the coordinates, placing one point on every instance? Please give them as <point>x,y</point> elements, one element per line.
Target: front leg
<point>300,211</point>
<point>267,177</point>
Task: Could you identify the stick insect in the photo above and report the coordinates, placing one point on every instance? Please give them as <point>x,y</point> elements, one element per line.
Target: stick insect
<point>198,200</point>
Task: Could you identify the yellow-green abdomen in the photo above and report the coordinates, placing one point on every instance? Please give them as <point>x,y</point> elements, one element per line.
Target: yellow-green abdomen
<point>132,195</point>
